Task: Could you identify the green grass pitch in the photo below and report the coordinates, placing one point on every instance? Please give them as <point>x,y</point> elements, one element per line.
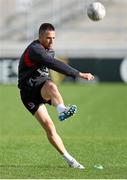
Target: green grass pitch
<point>97,134</point>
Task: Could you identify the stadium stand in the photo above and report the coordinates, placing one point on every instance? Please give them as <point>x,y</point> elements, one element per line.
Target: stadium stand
<point>76,34</point>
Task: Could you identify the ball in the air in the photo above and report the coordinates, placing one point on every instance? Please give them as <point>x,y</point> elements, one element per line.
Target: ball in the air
<point>96,11</point>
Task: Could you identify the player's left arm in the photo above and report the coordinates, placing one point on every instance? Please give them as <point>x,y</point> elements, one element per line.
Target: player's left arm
<point>87,76</point>
<point>44,59</point>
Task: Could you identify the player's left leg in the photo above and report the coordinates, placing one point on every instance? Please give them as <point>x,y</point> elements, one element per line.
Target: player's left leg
<point>50,91</point>
<point>43,117</point>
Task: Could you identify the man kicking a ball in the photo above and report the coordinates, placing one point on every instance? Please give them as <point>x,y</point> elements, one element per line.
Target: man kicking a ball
<point>37,88</point>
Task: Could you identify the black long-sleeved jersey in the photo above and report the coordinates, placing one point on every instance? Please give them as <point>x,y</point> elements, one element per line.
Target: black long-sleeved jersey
<point>36,61</point>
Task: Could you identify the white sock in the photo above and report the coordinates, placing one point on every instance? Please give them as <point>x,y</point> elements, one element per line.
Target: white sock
<point>60,108</point>
<point>67,157</point>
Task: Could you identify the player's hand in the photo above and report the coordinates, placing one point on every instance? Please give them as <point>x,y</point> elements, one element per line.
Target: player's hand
<point>87,76</point>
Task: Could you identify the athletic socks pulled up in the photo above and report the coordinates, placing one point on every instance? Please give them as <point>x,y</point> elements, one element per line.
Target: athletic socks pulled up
<point>72,162</point>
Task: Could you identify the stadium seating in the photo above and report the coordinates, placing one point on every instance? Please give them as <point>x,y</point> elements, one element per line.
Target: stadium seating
<point>77,35</point>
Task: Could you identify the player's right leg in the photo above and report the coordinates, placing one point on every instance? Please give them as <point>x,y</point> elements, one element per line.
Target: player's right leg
<point>44,119</point>
<point>50,91</point>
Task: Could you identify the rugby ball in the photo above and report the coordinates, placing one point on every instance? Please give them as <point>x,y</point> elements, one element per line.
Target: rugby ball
<point>96,11</point>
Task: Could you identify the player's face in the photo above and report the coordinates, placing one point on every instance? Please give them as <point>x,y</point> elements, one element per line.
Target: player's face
<point>47,39</point>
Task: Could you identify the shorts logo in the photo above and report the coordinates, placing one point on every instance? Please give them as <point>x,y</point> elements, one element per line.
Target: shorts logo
<point>31,105</point>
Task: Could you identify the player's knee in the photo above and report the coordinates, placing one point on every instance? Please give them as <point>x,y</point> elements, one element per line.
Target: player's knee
<point>52,86</point>
<point>48,90</point>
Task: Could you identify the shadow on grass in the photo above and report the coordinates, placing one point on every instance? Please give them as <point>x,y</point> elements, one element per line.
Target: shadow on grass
<point>32,166</point>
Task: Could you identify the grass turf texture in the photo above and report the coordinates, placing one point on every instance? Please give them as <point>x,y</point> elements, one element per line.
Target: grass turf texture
<point>96,135</point>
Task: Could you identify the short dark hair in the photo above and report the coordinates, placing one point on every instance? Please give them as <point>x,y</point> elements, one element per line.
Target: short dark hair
<point>46,27</point>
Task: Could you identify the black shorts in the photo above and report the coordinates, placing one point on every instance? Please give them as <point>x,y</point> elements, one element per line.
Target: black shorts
<point>31,97</point>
